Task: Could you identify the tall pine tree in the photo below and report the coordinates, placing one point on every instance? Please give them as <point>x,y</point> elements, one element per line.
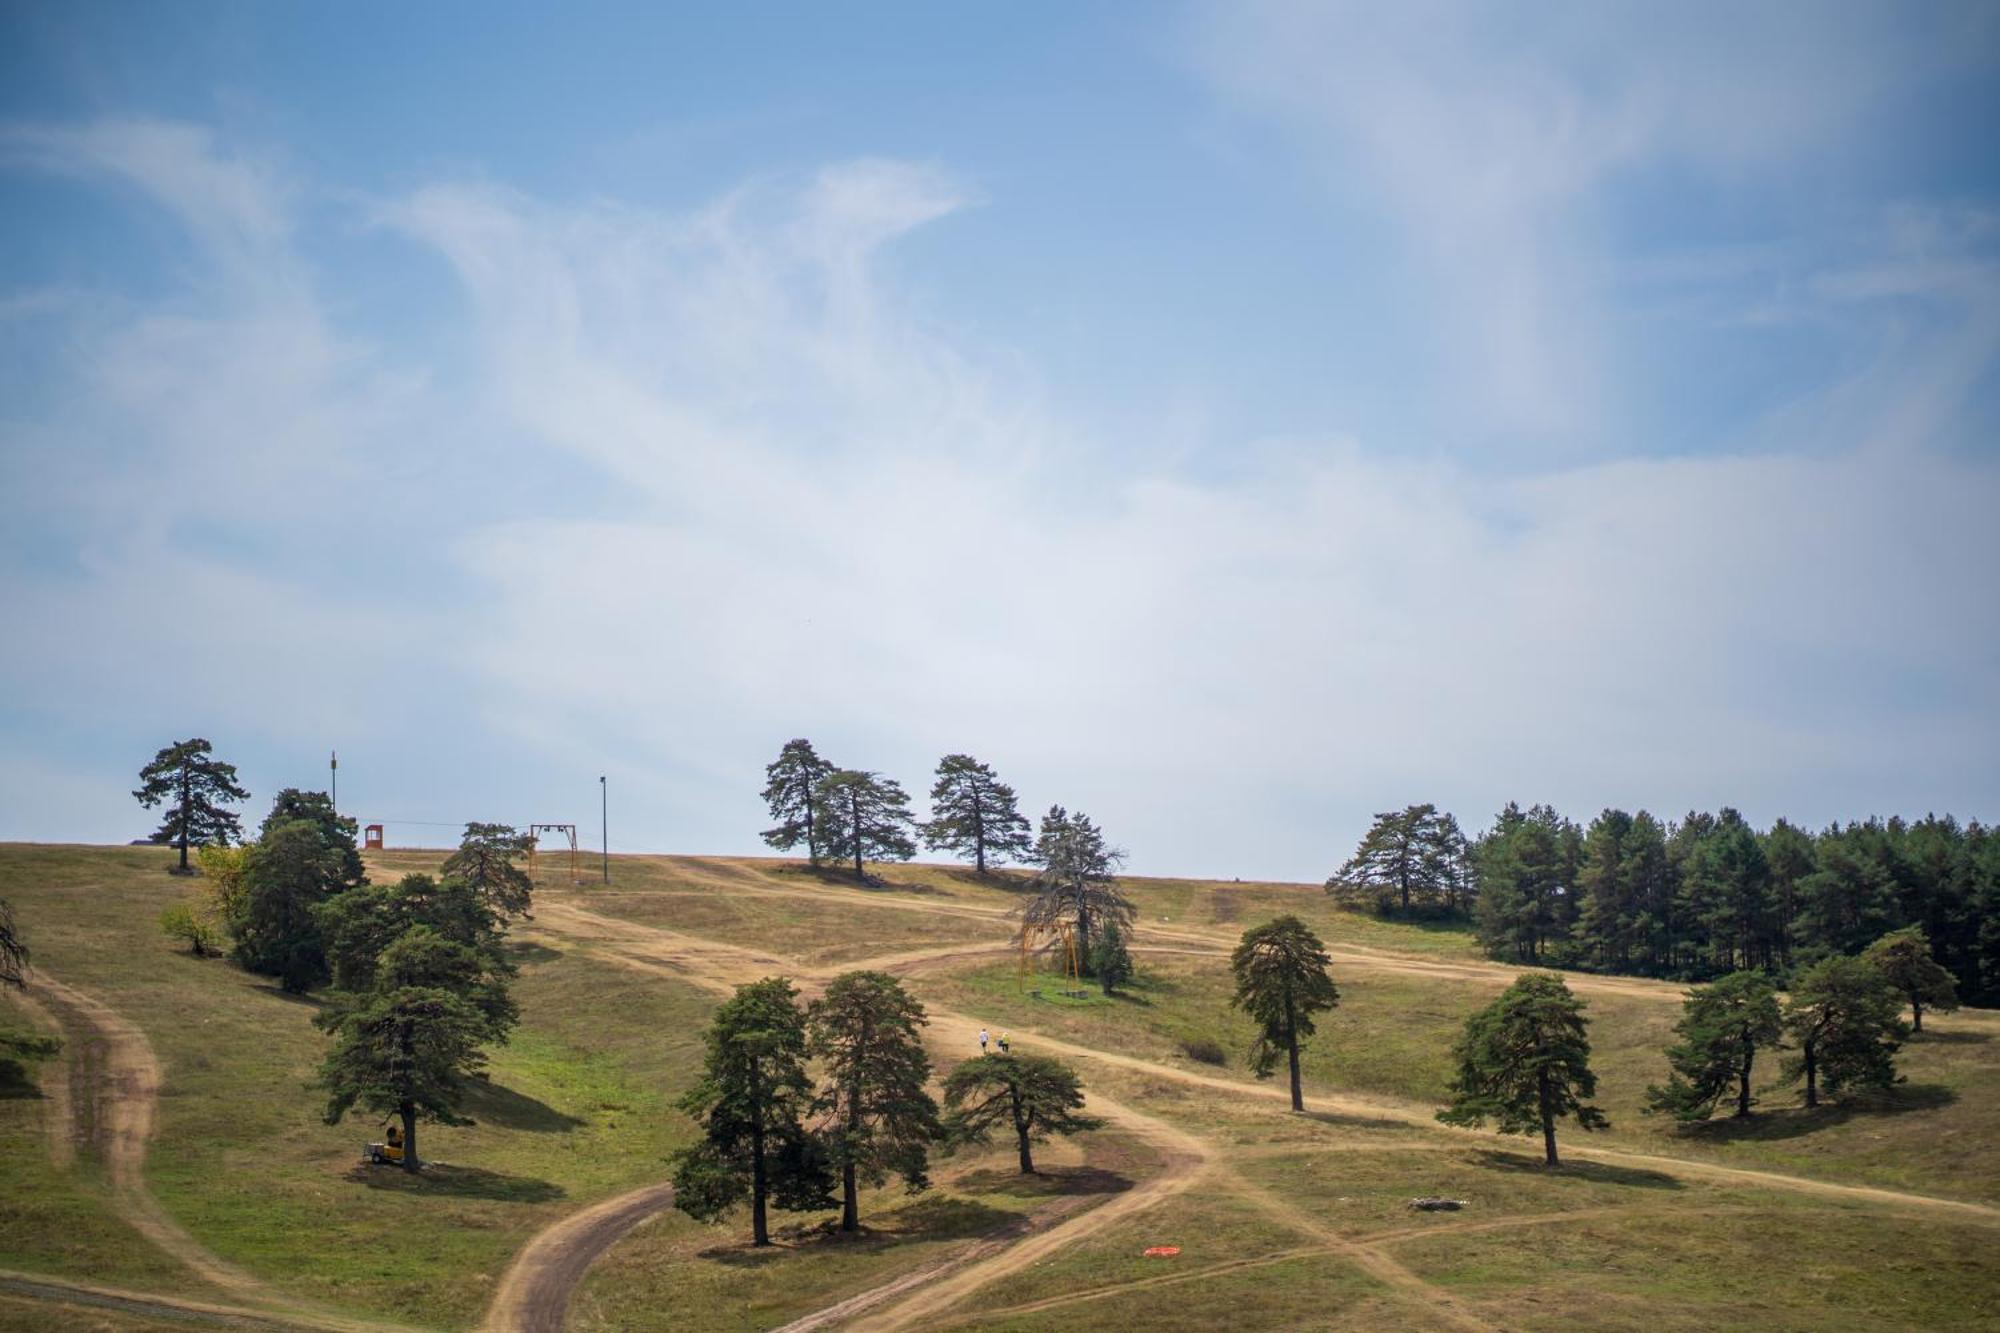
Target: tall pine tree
<point>1282,981</point>
<point>1524,1063</point>
<point>879,1118</point>
<point>1722,1027</point>
<point>790,782</point>
<point>195,787</point>
<point>974,814</point>
<point>862,817</point>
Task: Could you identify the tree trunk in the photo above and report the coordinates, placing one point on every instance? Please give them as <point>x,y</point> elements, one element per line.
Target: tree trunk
<point>850,1199</point>
<point>1082,937</point>
<point>410,1162</point>
<point>1292,1049</point>
<point>978,833</point>
<point>1812,1076</point>
<point>186,796</point>
<point>854,806</point>
<point>1743,1083</point>
<point>1548,1117</point>
<point>1916,1014</point>
<point>760,1233</point>
<point>1022,1124</point>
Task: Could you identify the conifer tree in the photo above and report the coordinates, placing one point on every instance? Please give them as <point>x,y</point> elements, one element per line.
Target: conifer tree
<point>752,1100</point>
<point>336,830</point>
<point>1110,960</point>
<point>790,782</point>
<point>1524,1063</point>
<point>1722,1027</point>
<point>1410,858</point>
<point>1282,980</point>
<point>880,1119</point>
<point>404,1050</point>
<point>863,817</point>
<point>292,872</point>
<point>1076,881</point>
<point>1903,957</point>
<point>1843,1018</point>
<point>486,863</point>
<point>975,814</point>
<point>1032,1095</point>
<point>195,787</point>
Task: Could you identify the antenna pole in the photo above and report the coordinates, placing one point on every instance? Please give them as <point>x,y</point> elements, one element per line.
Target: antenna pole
<point>604,823</point>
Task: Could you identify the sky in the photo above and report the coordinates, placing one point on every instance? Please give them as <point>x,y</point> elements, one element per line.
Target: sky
<point>1229,420</point>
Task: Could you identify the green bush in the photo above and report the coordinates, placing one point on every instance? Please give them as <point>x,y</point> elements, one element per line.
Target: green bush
<point>1205,1049</point>
<point>192,926</point>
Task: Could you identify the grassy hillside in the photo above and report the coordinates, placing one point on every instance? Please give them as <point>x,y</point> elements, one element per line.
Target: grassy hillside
<point>1283,1220</point>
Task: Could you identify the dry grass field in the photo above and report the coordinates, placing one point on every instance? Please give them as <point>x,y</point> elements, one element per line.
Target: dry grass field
<point>174,1169</point>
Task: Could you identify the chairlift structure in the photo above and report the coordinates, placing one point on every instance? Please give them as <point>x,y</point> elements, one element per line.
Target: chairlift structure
<point>568,831</point>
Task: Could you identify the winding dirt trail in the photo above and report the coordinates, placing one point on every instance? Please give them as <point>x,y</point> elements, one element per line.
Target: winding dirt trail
<point>115,1069</point>
<point>534,1293</point>
<point>539,1284</point>
<point>111,1113</point>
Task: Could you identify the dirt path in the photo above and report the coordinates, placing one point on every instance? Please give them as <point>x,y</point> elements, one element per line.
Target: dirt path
<point>534,1294</point>
<point>537,1288</point>
<point>115,1089</point>
<point>90,1295</point>
<point>557,1259</point>
<point>115,1070</point>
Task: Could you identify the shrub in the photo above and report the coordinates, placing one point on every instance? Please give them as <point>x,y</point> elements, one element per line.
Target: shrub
<point>191,925</point>
<point>1205,1049</point>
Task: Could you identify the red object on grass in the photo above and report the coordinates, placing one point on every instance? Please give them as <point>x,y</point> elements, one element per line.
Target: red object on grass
<point>1163,1251</point>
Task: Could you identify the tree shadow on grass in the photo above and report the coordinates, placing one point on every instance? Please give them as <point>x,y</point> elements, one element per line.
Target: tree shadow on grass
<point>1605,1173</point>
<point>277,992</point>
<point>1792,1122</point>
<point>509,1109</point>
<point>936,1218</point>
<point>1961,1038</point>
<point>1050,1182</point>
<point>458,1182</point>
<point>1344,1121</point>
<point>524,951</point>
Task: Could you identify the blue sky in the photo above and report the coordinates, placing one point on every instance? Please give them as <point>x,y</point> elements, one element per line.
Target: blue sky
<point>1227,419</point>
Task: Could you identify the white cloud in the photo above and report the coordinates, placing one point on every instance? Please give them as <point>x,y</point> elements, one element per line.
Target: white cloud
<point>784,501</point>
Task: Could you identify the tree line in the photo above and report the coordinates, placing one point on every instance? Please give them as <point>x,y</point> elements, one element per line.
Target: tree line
<point>773,1134</point>
<point>1693,899</point>
<point>416,974</point>
<point>847,815</point>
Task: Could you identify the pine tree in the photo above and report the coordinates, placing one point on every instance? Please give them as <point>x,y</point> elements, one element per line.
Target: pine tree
<point>791,780</point>
<point>1527,870</point>
<point>752,1100</point>
<point>1110,960</point>
<point>1076,881</point>
<point>1032,1095</point>
<point>403,1050</point>
<point>336,830</point>
<point>195,787</point>
<point>1903,957</point>
<point>466,955</point>
<point>1722,1027</point>
<point>863,817</point>
<point>1524,1062</point>
<point>1410,858</point>
<point>485,863</point>
<point>974,814</point>
<point>291,873</point>
<point>879,1117</point>
<point>1843,1020</point>
<point>1282,980</point>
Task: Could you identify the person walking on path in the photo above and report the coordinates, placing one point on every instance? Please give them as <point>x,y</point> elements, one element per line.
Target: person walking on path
<point>982,1041</point>
<point>1003,1043</point>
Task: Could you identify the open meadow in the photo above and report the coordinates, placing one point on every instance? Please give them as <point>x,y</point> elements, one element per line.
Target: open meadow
<point>173,1167</point>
